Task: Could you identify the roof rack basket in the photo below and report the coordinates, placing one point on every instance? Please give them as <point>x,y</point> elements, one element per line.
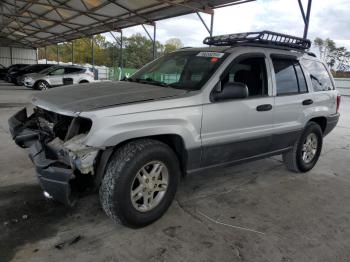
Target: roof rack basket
<point>267,38</point>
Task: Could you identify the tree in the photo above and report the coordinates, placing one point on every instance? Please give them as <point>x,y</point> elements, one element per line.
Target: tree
<point>337,58</point>
<point>137,51</point>
<point>172,44</point>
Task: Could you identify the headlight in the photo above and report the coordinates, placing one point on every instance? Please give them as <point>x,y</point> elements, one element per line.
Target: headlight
<point>28,79</point>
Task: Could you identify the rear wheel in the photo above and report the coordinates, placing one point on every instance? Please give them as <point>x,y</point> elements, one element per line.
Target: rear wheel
<point>42,85</point>
<point>306,151</point>
<point>83,82</point>
<point>140,182</point>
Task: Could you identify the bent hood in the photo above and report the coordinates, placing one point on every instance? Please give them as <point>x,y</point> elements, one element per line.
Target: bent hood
<point>87,97</point>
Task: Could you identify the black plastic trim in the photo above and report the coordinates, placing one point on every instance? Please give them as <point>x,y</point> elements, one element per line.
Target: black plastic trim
<point>332,121</point>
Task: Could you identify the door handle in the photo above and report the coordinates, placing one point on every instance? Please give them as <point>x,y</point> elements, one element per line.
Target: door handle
<point>266,107</point>
<point>307,102</point>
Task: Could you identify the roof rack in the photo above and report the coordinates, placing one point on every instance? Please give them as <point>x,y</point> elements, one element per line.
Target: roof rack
<point>264,37</point>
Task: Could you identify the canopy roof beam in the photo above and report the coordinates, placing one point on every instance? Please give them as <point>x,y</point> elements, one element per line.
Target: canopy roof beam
<point>305,16</point>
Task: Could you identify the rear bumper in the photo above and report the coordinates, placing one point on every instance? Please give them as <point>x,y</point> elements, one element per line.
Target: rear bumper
<point>54,175</point>
<point>332,121</point>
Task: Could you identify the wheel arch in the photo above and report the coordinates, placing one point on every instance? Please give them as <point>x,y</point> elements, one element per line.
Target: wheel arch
<point>174,141</point>
<point>321,121</point>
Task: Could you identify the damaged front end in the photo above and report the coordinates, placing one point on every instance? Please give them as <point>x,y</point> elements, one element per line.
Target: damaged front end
<point>55,142</point>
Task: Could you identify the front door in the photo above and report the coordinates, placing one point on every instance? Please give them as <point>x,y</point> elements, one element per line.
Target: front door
<point>239,129</point>
<point>56,77</point>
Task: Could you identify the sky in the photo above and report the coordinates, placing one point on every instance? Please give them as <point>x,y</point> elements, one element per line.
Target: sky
<point>329,19</point>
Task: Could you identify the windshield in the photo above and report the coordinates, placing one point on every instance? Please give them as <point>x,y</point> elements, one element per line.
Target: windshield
<point>47,70</point>
<point>187,70</point>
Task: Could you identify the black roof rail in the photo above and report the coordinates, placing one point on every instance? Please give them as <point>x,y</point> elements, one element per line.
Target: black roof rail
<point>266,38</point>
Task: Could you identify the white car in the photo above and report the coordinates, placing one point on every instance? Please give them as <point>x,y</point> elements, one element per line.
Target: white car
<point>242,98</point>
<point>58,76</point>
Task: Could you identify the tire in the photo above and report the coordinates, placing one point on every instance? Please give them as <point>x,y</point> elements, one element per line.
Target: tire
<point>121,178</point>
<point>295,159</point>
<point>42,85</point>
<point>83,82</point>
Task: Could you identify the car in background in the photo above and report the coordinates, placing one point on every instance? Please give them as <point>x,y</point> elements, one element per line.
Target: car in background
<point>13,69</point>
<point>17,77</point>
<point>3,71</point>
<point>59,75</point>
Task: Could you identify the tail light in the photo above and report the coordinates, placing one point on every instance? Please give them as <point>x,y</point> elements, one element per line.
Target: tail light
<point>338,102</point>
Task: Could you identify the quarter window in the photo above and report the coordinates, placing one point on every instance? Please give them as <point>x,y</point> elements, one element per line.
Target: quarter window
<point>318,74</point>
<point>72,70</point>
<point>289,76</point>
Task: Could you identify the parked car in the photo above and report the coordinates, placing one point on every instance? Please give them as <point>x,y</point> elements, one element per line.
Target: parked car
<point>58,76</point>
<point>17,77</point>
<point>247,97</point>
<point>13,69</point>
<point>3,71</point>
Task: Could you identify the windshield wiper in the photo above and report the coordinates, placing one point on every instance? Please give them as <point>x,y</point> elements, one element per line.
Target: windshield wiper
<point>151,81</point>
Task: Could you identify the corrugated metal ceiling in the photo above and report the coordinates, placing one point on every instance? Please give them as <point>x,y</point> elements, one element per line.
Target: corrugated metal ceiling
<point>37,23</point>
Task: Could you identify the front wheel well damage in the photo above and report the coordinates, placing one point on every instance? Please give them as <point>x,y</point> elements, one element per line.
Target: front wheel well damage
<point>175,142</point>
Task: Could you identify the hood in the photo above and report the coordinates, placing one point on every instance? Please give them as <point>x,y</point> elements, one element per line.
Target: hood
<point>87,97</point>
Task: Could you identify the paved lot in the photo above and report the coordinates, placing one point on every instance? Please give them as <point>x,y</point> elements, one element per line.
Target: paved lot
<point>253,212</point>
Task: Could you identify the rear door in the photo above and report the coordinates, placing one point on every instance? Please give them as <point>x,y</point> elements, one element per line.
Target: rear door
<point>292,98</point>
<point>323,95</point>
<point>73,73</point>
<point>239,129</point>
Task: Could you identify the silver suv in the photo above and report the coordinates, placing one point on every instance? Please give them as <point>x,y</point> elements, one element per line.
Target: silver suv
<point>244,98</point>
<point>58,76</point>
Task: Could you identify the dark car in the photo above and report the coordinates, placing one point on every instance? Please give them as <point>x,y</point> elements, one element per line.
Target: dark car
<point>13,69</point>
<point>17,77</point>
<point>3,71</point>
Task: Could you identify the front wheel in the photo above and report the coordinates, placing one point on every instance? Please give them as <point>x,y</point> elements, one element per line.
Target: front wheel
<point>306,151</point>
<point>140,182</point>
<point>42,85</point>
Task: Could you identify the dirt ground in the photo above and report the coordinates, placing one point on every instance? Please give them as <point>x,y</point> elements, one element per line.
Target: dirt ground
<point>252,212</point>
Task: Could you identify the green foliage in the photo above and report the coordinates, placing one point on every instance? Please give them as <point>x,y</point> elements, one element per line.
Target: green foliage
<point>172,44</point>
<point>137,51</point>
<point>337,58</point>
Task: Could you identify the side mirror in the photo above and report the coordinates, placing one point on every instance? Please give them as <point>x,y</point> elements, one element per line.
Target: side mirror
<point>233,90</point>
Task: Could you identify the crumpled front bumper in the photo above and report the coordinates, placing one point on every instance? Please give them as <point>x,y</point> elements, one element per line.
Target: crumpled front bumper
<point>54,175</point>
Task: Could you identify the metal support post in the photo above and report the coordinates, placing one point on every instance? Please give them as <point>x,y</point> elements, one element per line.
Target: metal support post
<point>154,41</point>
<point>306,17</point>
<point>212,24</point>
<point>72,58</point>
<point>57,56</point>
<point>45,56</point>
<point>209,29</point>
<point>92,53</point>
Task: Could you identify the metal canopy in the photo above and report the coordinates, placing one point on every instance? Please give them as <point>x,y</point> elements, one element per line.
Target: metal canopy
<point>38,23</point>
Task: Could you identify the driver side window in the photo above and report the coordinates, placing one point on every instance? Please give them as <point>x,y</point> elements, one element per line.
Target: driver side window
<point>251,72</point>
<point>59,71</point>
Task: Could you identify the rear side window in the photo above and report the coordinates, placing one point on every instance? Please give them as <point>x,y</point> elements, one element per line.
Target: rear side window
<point>289,76</point>
<point>73,70</point>
<point>318,74</point>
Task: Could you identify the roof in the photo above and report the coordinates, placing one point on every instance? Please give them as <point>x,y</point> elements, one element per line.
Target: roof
<point>37,23</point>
